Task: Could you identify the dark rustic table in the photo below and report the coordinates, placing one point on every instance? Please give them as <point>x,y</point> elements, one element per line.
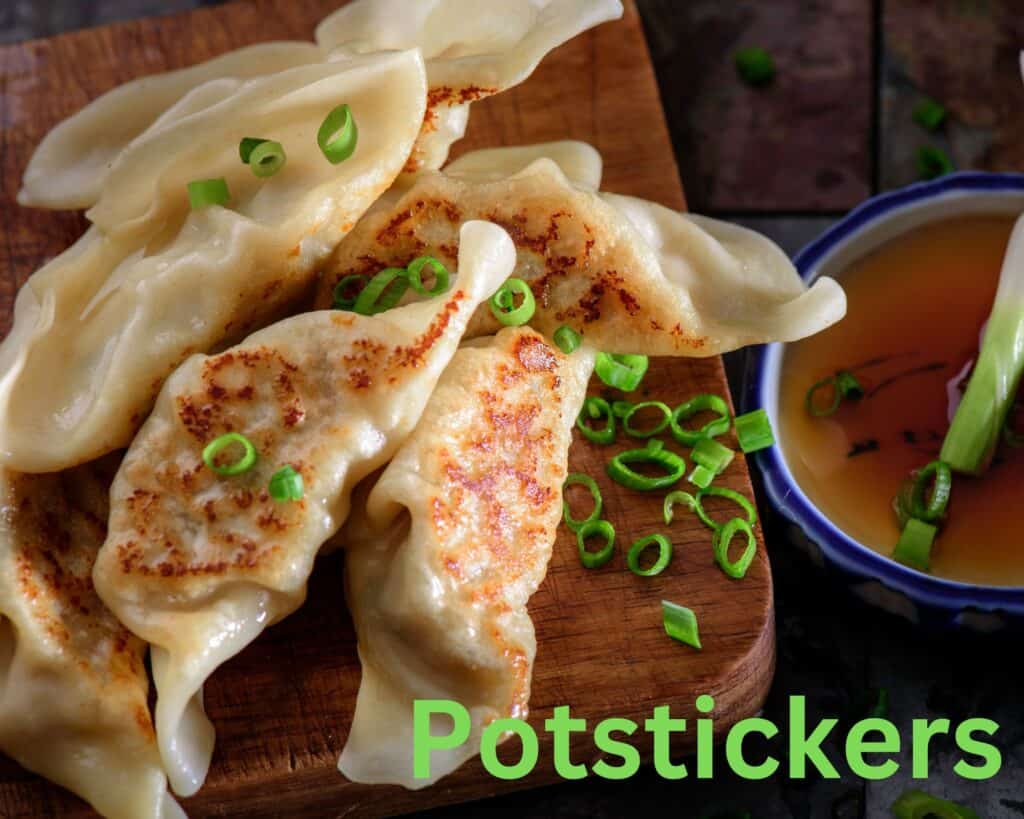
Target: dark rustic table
<point>834,127</point>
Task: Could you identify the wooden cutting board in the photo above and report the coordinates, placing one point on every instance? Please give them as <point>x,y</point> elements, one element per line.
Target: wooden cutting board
<point>282,707</point>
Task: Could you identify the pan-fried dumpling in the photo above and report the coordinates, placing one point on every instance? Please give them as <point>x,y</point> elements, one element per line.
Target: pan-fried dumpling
<point>632,277</point>
<point>198,565</point>
<point>154,282</point>
<point>579,161</point>
<point>469,54</point>
<point>454,539</point>
<point>72,679</point>
<point>68,168</point>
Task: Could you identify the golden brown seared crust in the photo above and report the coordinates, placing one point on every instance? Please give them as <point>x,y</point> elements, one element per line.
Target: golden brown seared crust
<point>442,95</point>
<point>55,525</point>
<point>584,264</point>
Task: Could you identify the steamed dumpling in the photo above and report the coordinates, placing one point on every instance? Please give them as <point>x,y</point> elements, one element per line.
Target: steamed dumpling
<point>197,564</point>
<point>70,165</point>
<point>153,282</point>
<point>73,682</point>
<point>454,539</point>
<point>470,54</point>
<point>631,276</point>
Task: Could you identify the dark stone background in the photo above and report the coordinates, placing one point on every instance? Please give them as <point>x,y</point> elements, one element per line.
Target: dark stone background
<point>833,128</point>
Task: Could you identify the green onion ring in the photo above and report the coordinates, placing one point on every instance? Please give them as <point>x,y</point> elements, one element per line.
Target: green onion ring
<point>637,550</point>
<point>624,372</point>
<point>935,506</point>
<point>338,135</point>
<point>267,158</point>
<point>595,528</point>
<point>915,804</point>
<point>596,407</point>
<point>219,444</point>
<point>343,302</point>
<point>646,433</point>
<point>700,403</point>
<point>503,303</point>
<point>620,409</point>
<point>286,484</point>
<point>382,292</point>
<point>680,623</point>
<point>837,398</point>
<point>246,146</point>
<point>848,386</point>
<point>677,497</point>
<point>654,452</point>
<point>415,272</point>
<point>566,339</point>
<point>204,192</point>
<point>579,478</point>
<point>729,494</point>
<point>721,541</point>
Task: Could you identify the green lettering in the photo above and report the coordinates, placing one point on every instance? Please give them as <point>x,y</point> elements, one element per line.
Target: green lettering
<point>629,755</point>
<point>734,748</point>
<point>804,747</point>
<point>562,725</point>
<point>705,738</point>
<point>661,725</point>
<point>424,742</point>
<point>493,735</point>
<point>992,758</point>
<point>922,731</point>
<point>857,745</point>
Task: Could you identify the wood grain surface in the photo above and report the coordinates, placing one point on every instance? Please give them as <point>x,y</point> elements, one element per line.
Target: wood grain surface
<point>282,707</point>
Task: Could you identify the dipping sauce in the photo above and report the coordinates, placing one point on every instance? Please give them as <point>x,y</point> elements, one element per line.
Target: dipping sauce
<point>916,307</point>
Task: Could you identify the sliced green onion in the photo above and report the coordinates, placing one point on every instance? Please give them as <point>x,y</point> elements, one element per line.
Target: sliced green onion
<point>624,372</point>
<point>677,497</point>
<point>754,431</point>
<point>267,158</point>
<point>595,493</point>
<point>728,494</point>
<point>382,292</point>
<point>620,409</point>
<point>246,147</point>
<point>503,303</point>
<point>666,416</point>
<point>345,285</point>
<point>916,804</point>
<point>817,409</point>
<point>914,547</point>
<point>700,403</point>
<point>933,162</point>
<point>680,623</point>
<point>901,503</point>
<point>596,407</point>
<point>567,339</point>
<point>938,474</point>
<point>338,135</point>
<point>637,550</point>
<point>204,192</point>
<point>929,114</point>
<point>655,453</point>
<point>219,444</point>
<point>701,477</point>
<point>415,273</point>
<point>754,65</point>
<point>848,385</point>
<point>286,484</point>
<point>595,528</point>
<point>720,544</point>
<point>709,453</point>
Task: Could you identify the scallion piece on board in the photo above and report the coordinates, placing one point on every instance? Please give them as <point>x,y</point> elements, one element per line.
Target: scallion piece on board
<point>578,478</point>
<point>595,407</point>
<point>655,453</point>
<point>680,623</point>
<point>648,432</point>
<point>705,402</point>
<point>931,507</point>
<point>637,550</point>
<point>992,390</point>
<point>916,804</point>
<point>728,494</point>
<point>754,431</point>
<point>286,484</point>
<point>754,65</point>
<point>338,135</point>
<point>382,292</point>
<point>929,114</point>
<point>503,304</point>
<point>701,477</point>
<point>624,372</point>
<point>712,455</point>
<point>567,339</point>
<point>595,528</point>
<point>267,158</point>
<point>674,498</point>
<point>204,192</point>
<point>933,162</point>
<point>914,547</point>
<point>243,463</point>
<point>721,540</point>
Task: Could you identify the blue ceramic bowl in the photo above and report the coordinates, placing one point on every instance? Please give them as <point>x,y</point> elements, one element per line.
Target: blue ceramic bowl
<point>876,579</point>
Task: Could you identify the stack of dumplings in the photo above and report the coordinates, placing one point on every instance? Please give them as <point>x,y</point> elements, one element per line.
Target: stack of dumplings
<point>165,328</point>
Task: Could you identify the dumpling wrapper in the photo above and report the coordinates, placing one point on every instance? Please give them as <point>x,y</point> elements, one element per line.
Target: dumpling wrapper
<point>471,53</point>
<point>73,682</point>
<point>121,308</point>
<point>69,167</point>
<point>631,276</point>
<point>455,537</point>
<point>198,565</point>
